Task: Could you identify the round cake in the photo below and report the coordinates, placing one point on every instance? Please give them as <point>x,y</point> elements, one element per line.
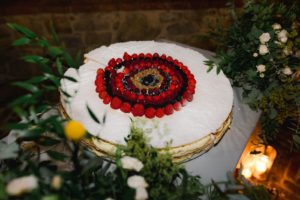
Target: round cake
<point>161,87</point>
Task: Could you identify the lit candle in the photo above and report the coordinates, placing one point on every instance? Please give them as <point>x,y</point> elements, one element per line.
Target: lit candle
<point>247,173</point>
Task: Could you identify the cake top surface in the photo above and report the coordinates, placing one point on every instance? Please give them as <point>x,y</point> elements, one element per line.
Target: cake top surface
<point>210,107</point>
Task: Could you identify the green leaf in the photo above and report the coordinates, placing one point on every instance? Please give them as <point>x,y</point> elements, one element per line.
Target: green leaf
<point>3,194</point>
<point>17,126</point>
<point>37,79</point>
<point>49,142</point>
<point>22,100</point>
<point>54,79</point>
<point>68,58</point>
<point>93,116</point>
<point>21,41</point>
<point>35,59</point>
<point>26,86</point>
<point>57,155</point>
<point>59,66</point>
<point>23,30</point>
<point>8,150</point>
<point>55,51</point>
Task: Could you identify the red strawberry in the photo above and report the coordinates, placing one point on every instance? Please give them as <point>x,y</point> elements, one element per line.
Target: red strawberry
<point>126,107</point>
<point>126,56</point>
<point>106,100</point>
<point>137,110</point>
<point>150,112</point>
<point>169,109</point>
<point>115,103</point>
<point>159,113</point>
<point>119,60</point>
<point>112,62</point>
<point>176,106</point>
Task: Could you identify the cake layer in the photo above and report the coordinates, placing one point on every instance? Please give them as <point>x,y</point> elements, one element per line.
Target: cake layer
<point>207,112</point>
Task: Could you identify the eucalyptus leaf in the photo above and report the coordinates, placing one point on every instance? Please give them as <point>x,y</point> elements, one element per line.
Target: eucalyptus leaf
<point>23,30</point>
<point>27,86</point>
<point>57,155</point>
<point>92,115</point>
<point>21,41</point>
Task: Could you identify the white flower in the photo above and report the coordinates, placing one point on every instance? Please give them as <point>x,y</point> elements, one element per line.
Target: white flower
<point>56,182</point>
<point>276,26</point>
<point>261,75</point>
<point>18,186</point>
<point>109,198</point>
<point>263,49</point>
<point>131,163</point>
<point>261,68</point>
<point>141,194</point>
<point>255,55</point>
<point>265,37</point>
<point>287,71</point>
<point>283,36</point>
<point>136,181</point>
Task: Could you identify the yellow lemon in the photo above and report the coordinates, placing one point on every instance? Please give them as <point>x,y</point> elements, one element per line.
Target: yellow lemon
<point>74,130</point>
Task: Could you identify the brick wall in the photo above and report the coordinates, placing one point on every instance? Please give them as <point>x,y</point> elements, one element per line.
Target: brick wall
<point>87,30</point>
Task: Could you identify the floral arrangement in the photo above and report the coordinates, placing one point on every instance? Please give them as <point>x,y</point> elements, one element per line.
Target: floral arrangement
<point>260,52</point>
<point>146,84</point>
<point>47,161</point>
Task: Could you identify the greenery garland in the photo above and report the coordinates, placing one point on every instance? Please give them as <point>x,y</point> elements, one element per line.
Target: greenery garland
<point>260,53</point>
<point>46,160</point>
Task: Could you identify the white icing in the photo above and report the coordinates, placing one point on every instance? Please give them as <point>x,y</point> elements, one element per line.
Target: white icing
<point>210,107</point>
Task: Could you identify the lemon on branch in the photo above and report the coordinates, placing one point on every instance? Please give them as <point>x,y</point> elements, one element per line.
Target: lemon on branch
<point>74,130</point>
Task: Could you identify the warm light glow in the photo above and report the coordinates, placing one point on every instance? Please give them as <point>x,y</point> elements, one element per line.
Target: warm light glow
<point>260,166</point>
<point>247,173</point>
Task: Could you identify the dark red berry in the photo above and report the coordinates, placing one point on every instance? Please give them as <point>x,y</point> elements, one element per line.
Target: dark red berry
<point>176,106</point>
<point>150,112</point>
<point>169,109</point>
<point>126,107</point>
<point>106,100</point>
<point>137,110</point>
<point>115,103</point>
<point>159,113</point>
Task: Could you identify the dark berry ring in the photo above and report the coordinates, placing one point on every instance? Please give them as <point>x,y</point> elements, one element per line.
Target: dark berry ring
<point>145,84</point>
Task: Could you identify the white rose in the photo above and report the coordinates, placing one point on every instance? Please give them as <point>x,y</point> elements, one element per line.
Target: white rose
<point>263,49</point>
<point>261,75</point>
<point>255,55</point>
<point>136,181</point>
<point>276,26</point>
<point>261,68</point>
<point>131,163</point>
<point>265,37</point>
<point>141,194</point>
<point>283,36</point>
<point>18,186</point>
<point>287,71</point>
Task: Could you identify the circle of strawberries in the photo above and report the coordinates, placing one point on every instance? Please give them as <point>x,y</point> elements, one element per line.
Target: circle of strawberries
<point>115,86</point>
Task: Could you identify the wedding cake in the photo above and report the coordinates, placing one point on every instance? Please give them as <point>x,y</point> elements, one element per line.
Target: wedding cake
<point>162,87</point>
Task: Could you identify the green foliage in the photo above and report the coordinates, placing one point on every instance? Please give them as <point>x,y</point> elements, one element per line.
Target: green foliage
<point>275,90</point>
<point>66,170</point>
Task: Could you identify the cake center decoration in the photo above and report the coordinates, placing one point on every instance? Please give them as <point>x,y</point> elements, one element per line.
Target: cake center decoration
<point>149,85</point>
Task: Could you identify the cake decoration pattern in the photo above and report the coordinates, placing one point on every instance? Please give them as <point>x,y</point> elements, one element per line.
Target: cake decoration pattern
<point>149,85</point>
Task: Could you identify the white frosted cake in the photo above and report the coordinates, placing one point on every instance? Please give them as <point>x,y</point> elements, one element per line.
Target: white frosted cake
<point>162,87</point>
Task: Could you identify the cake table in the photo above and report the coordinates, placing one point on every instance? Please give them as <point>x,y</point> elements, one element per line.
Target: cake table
<point>205,99</point>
